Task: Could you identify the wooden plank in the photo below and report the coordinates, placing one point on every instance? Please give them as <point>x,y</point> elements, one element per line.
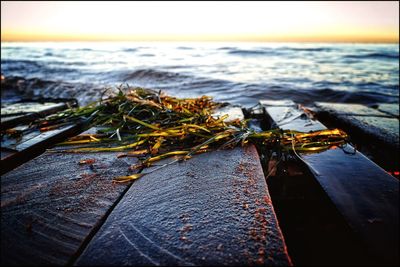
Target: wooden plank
<point>350,109</point>
<point>277,103</point>
<point>364,194</point>
<point>213,209</point>
<point>17,150</point>
<point>19,113</point>
<point>391,109</point>
<point>290,117</point>
<point>51,205</point>
<point>32,145</point>
<point>234,112</point>
<point>376,133</point>
<point>377,125</point>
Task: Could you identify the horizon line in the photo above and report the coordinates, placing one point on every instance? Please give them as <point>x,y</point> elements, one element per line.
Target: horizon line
<point>205,41</point>
<point>255,39</point>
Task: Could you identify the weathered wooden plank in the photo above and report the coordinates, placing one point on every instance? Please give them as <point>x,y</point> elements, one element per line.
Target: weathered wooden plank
<point>350,109</point>
<point>285,115</point>
<point>14,153</point>
<point>17,150</point>
<point>19,113</point>
<point>365,195</point>
<point>391,109</point>
<point>31,107</point>
<point>277,103</point>
<point>51,205</point>
<point>374,123</point>
<point>234,113</point>
<point>213,209</point>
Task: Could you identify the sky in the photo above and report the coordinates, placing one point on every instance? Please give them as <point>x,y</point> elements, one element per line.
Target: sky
<point>297,21</point>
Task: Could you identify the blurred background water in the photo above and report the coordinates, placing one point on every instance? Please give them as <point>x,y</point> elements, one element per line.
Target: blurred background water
<point>240,73</point>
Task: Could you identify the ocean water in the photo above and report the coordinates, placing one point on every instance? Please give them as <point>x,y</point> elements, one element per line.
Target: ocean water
<point>240,73</point>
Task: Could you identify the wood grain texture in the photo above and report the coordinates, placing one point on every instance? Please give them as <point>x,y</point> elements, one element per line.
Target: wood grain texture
<point>213,209</point>
<point>51,205</point>
<point>364,194</point>
<point>18,113</point>
<point>33,146</point>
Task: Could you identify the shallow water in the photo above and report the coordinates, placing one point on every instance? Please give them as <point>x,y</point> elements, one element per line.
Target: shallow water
<point>241,73</point>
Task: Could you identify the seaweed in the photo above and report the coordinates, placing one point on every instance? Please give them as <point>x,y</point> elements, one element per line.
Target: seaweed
<point>152,126</point>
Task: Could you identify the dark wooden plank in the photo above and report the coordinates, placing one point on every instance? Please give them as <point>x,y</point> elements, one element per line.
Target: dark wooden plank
<point>366,196</point>
<point>285,115</point>
<point>15,153</point>
<point>213,209</point>
<point>371,122</point>
<point>19,113</point>
<point>287,118</point>
<point>51,205</point>
<point>391,109</point>
<point>375,133</point>
<point>234,112</point>
<point>17,150</point>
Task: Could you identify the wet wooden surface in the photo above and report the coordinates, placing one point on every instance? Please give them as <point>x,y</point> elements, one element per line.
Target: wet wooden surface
<point>19,149</point>
<point>365,195</point>
<point>24,112</point>
<point>390,109</point>
<point>51,205</point>
<point>14,153</point>
<point>234,113</point>
<point>213,209</point>
<point>380,124</point>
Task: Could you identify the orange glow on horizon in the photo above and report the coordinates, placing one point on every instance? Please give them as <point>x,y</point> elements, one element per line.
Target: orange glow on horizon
<point>201,21</point>
<point>345,38</point>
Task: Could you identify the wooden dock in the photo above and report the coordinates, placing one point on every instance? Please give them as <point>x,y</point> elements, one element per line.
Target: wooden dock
<point>213,209</point>
<point>218,208</point>
<point>365,195</point>
<point>19,149</point>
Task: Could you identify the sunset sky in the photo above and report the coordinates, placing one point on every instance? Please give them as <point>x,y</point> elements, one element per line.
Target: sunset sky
<point>201,21</point>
